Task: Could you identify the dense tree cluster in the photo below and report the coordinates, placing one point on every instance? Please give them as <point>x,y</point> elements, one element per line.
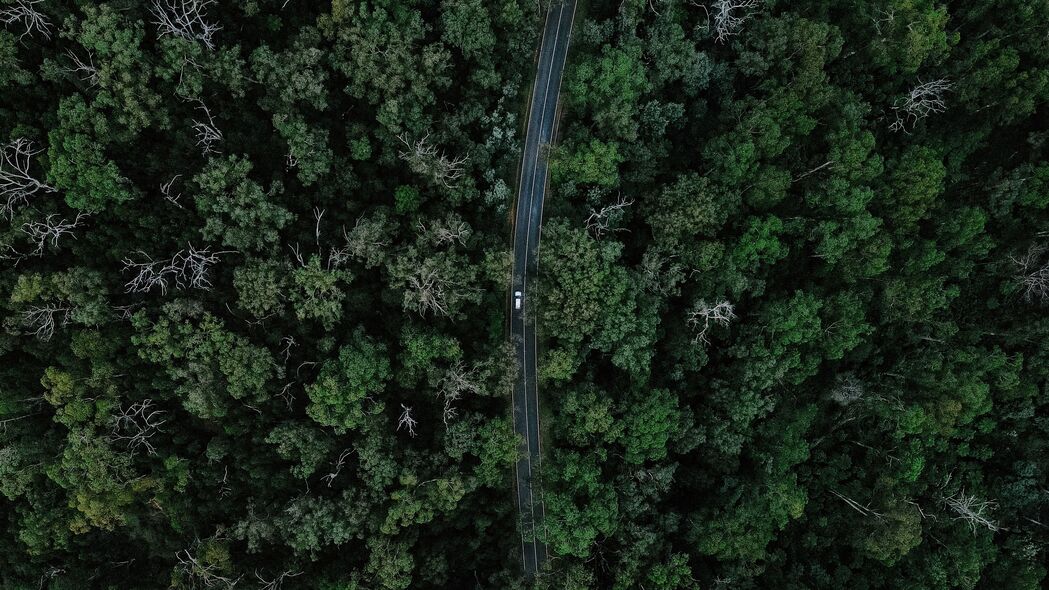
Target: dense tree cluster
<point>795,270</point>
<point>802,249</point>
<point>240,240</point>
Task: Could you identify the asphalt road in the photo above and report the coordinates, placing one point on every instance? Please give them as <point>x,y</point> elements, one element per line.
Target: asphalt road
<point>542,118</point>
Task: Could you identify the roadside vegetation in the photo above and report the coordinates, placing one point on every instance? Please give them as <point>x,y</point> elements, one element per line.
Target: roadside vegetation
<point>796,273</point>
<point>255,258</point>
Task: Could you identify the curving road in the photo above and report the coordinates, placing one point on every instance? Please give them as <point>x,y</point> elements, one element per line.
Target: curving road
<point>542,118</point>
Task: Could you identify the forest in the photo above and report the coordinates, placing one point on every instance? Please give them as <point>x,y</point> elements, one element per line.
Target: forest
<point>254,269</point>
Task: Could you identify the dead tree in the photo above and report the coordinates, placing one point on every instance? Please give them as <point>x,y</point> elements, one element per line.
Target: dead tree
<point>337,468</point>
<point>1033,274</point>
<point>703,315</point>
<point>600,222</point>
<point>86,72</point>
<point>849,389</point>
<point>17,185</point>
<point>42,319</point>
<point>207,133</point>
<point>426,293</point>
<point>973,511</point>
<point>424,158</point>
<point>407,421</point>
<point>449,231</point>
<point>167,189</point>
<point>457,381</point>
<point>25,13</point>
<point>863,509</point>
<point>186,19</point>
<point>192,567</point>
<point>275,583</point>
<point>187,269</point>
<point>137,424</point>
<point>50,231</point>
<point>730,15</point>
<point>923,100</point>
<point>368,240</point>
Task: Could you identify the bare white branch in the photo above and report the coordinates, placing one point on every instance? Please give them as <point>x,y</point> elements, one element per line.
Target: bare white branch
<point>1033,273</point>
<point>863,509</point>
<point>425,159</point>
<point>973,511</point>
<point>923,100</point>
<point>849,389</point>
<point>703,315</point>
<point>16,183</point>
<point>187,269</point>
<point>730,15</point>
<point>448,231</point>
<point>600,222</point>
<point>41,319</point>
<point>50,230</point>
<point>275,583</point>
<point>207,133</point>
<point>186,19</point>
<point>206,573</point>
<point>25,13</point>
<point>457,381</point>
<point>407,421</point>
<point>368,240</point>
<point>337,467</point>
<point>137,424</point>
<point>426,293</point>
<point>87,72</point>
<point>167,189</point>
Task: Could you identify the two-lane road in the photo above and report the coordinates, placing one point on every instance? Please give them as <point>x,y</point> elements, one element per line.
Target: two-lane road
<point>542,118</point>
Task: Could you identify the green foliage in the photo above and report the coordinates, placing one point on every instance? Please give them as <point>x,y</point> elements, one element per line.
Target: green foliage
<point>343,395</point>
<point>238,211</point>
<point>781,343</point>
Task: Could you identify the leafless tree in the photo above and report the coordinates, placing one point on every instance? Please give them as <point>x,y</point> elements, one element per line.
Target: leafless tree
<point>50,230</point>
<point>275,583</point>
<point>407,421</point>
<point>368,240</point>
<point>42,319</point>
<point>848,389</point>
<point>207,574</point>
<point>925,99</point>
<point>287,395</point>
<point>25,13</point>
<point>50,574</point>
<point>426,293</point>
<point>863,509</point>
<point>973,511</point>
<point>703,315</point>
<point>167,189</point>
<point>187,269</point>
<point>730,15</point>
<point>137,424</point>
<point>1033,273</point>
<point>600,222</point>
<point>457,381</point>
<point>16,183</point>
<point>289,343</point>
<point>449,231</point>
<point>206,131</point>
<point>125,311</point>
<point>425,159</point>
<point>86,72</point>
<point>337,467</point>
<point>186,19</point>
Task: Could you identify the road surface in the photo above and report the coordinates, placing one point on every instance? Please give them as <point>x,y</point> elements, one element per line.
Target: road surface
<point>542,115</point>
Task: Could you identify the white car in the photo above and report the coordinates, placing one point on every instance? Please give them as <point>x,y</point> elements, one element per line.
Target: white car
<point>517,299</point>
